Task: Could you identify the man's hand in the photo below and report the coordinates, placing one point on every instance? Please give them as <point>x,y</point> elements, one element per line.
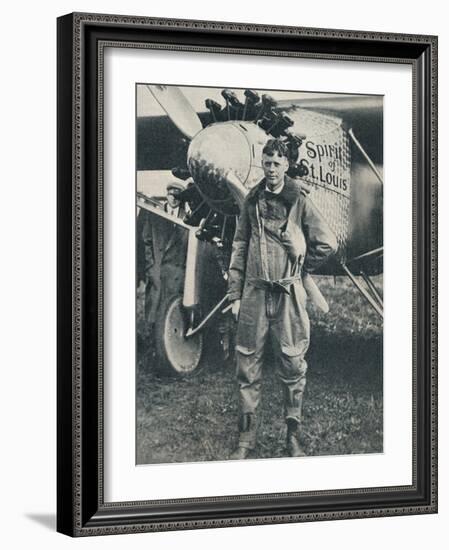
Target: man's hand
<point>236,309</point>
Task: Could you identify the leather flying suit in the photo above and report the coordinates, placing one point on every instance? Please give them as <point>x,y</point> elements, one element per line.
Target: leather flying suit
<point>278,236</point>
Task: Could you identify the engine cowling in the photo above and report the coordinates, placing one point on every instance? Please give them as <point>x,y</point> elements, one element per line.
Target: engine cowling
<point>219,149</point>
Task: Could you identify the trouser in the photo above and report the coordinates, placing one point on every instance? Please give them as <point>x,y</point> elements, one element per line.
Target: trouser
<point>291,369</point>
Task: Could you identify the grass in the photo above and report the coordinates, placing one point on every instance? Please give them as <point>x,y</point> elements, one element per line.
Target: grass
<point>195,419</point>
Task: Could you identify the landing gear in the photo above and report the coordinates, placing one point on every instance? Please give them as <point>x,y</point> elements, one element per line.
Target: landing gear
<point>176,355</point>
<point>369,291</point>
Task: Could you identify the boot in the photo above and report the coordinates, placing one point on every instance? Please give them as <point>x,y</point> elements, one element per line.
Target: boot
<point>293,431</point>
<point>240,453</point>
<point>247,438</point>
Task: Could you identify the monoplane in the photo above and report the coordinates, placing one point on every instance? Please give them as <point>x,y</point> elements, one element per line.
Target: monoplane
<point>336,154</point>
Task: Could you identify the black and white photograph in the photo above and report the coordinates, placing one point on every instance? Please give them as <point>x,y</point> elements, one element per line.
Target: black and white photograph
<point>259,274</point>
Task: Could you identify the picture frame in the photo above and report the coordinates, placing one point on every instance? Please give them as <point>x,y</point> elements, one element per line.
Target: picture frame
<point>81,506</point>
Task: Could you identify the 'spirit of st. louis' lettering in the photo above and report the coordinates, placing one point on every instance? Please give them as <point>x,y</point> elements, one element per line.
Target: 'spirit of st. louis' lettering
<point>324,151</point>
<point>329,178</point>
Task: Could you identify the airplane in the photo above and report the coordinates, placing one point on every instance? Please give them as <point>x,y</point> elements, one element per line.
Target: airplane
<point>335,143</point>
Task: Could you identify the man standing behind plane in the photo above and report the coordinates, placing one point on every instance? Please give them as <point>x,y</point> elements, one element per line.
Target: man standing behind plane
<point>280,235</point>
<point>165,248</point>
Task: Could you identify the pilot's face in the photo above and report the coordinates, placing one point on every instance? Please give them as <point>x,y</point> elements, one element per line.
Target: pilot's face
<point>274,167</point>
<point>173,198</point>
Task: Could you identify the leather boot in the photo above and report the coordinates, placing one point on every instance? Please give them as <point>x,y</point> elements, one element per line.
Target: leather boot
<point>293,431</point>
<point>247,438</point>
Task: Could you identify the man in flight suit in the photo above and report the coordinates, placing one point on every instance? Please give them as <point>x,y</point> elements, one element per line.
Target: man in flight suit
<point>280,235</point>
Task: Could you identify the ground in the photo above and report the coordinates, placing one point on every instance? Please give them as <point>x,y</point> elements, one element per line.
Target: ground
<point>195,419</point>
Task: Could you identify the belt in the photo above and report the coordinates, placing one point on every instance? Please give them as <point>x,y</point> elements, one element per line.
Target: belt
<point>279,286</point>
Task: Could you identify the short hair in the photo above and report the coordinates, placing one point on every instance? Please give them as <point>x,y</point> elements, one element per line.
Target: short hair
<point>276,146</point>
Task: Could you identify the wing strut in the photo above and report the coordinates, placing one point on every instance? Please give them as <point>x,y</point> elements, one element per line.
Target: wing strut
<point>365,154</point>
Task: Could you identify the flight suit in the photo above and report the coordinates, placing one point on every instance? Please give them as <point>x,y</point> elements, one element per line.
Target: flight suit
<point>277,237</point>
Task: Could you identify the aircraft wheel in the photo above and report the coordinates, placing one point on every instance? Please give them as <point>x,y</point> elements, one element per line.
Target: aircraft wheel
<point>177,356</point>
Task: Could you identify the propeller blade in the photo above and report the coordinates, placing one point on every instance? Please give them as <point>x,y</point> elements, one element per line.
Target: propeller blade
<point>236,188</point>
<point>178,108</point>
<point>314,293</point>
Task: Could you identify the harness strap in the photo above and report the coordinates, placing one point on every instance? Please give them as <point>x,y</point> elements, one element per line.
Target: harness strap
<point>279,286</point>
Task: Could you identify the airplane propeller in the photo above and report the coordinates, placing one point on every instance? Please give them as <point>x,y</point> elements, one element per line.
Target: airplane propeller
<point>178,109</point>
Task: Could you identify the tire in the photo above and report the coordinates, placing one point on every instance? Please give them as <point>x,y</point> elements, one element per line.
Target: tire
<point>176,355</point>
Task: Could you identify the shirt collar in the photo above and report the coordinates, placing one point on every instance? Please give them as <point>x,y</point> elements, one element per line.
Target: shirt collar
<point>290,191</point>
<point>277,191</point>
